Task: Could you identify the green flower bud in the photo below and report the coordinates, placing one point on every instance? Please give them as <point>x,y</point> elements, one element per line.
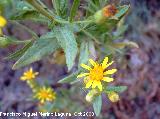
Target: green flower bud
<point>113,96</point>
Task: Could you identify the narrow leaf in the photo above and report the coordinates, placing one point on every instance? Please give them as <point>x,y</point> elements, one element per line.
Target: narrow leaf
<point>29,15</point>
<point>97,105</point>
<point>122,11</point>
<point>40,49</point>
<point>67,41</point>
<point>74,9</point>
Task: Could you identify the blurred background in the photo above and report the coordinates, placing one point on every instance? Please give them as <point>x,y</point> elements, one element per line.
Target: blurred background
<point>139,69</point>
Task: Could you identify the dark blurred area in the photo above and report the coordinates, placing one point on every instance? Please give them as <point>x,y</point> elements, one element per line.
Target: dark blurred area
<point>139,68</point>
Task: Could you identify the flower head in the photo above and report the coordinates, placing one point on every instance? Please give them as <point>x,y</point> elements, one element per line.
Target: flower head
<point>97,73</point>
<point>45,94</point>
<point>113,96</point>
<point>109,11</point>
<point>3,21</point>
<point>29,75</point>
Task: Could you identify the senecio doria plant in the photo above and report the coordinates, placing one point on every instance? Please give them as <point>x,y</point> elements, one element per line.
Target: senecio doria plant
<point>81,33</point>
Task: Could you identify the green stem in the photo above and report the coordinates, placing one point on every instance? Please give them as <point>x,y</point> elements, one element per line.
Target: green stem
<point>21,42</point>
<point>40,8</point>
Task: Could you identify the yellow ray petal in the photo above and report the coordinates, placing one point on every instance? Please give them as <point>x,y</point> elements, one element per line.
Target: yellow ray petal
<point>112,71</point>
<point>109,64</point>
<point>23,78</point>
<point>104,63</point>
<point>107,79</point>
<point>94,84</point>
<point>92,62</point>
<point>31,70</point>
<point>82,75</point>
<point>85,66</point>
<point>89,83</point>
<point>99,85</point>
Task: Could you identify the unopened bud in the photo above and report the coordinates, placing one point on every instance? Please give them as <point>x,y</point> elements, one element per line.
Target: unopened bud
<point>91,95</point>
<point>113,96</point>
<point>107,12</point>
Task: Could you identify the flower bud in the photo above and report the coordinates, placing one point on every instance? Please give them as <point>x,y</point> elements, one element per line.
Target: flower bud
<point>109,11</point>
<point>4,42</point>
<point>91,95</point>
<point>106,12</point>
<point>113,96</point>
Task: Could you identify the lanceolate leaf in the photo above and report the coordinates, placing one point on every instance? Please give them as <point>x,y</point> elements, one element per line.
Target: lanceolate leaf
<point>41,48</point>
<point>67,41</point>
<point>97,105</point>
<point>122,11</point>
<point>29,15</point>
<point>20,52</point>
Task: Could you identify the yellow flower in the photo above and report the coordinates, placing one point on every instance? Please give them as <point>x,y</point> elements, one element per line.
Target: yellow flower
<point>3,21</point>
<point>97,74</point>
<point>45,94</point>
<point>29,75</point>
<point>113,96</point>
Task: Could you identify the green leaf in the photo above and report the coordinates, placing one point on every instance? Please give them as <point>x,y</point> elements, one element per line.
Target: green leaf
<point>67,41</point>
<point>29,14</point>
<point>84,53</point>
<point>122,11</point>
<point>118,89</point>
<point>97,105</point>
<point>20,52</point>
<point>69,79</point>
<point>41,48</point>
<point>74,9</point>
